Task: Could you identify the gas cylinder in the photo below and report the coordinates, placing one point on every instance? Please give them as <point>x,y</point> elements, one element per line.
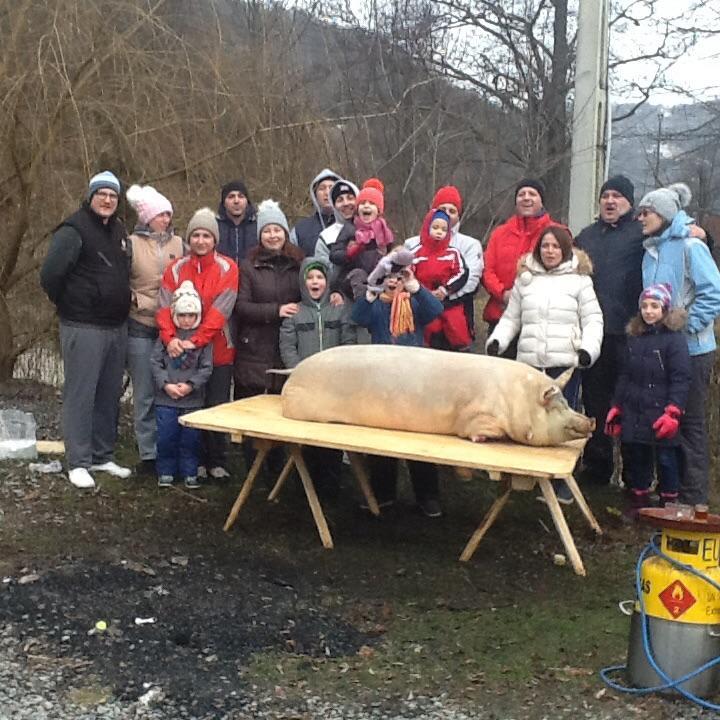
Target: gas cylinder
<point>682,610</point>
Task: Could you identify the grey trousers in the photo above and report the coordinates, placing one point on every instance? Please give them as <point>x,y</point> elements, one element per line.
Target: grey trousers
<point>139,350</point>
<point>693,433</point>
<point>93,363</point>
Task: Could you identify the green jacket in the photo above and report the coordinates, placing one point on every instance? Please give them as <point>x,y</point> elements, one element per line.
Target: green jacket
<point>316,326</point>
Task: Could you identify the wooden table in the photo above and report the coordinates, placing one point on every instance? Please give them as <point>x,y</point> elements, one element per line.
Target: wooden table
<point>515,467</point>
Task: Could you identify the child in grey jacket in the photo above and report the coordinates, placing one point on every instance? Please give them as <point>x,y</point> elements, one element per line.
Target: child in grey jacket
<point>318,325</point>
<point>180,388</point>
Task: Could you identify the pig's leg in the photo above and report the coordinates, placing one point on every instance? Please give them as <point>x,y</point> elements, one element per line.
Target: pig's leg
<point>479,426</point>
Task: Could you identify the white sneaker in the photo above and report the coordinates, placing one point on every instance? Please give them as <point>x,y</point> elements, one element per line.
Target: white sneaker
<point>81,478</point>
<point>112,468</point>
<point>218,473</point>
<point>202,471</point>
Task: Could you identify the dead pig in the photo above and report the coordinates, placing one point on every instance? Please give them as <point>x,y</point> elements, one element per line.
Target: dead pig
<point>432,391</point>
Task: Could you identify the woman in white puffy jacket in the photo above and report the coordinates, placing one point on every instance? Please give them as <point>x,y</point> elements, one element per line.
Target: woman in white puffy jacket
<point>554,308</point>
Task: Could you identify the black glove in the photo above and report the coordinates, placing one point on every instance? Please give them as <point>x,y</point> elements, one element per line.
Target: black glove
<point>493,348</point>
<point>584,358</point>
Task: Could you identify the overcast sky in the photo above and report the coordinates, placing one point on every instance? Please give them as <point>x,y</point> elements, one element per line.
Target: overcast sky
<point>698,72</point>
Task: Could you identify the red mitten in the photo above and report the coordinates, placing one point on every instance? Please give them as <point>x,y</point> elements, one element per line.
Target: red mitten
<point>613,427</point>
<point>353,249</point>
<point>666,426</point>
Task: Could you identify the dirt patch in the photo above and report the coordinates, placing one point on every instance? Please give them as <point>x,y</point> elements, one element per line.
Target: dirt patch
<point>265,612</point>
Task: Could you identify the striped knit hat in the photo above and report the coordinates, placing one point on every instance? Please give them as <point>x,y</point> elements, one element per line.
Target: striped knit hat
<point>662,292</point>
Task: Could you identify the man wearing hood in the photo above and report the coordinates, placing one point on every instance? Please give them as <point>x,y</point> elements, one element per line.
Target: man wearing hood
<point>307,230</point>
<point>236,221</point>
<point>343,196</point>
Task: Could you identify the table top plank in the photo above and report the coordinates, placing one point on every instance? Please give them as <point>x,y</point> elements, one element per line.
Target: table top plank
<point>261,417</point>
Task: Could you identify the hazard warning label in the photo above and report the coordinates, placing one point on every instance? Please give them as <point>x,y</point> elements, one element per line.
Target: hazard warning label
<point>677,598</point>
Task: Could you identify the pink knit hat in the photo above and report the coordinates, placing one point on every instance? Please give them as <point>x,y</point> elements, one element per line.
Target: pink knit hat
<point>147,202</point>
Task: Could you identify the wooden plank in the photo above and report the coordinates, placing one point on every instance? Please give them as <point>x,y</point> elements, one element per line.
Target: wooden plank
<point>261,417</point>
<point>246,486</point>
<point>356,462</point>
<point>562,526</point>
<point>312,498</point>
<point>50,447</point>
<point>489,519</point>
<point>284,475</point>
<point>582,504</point>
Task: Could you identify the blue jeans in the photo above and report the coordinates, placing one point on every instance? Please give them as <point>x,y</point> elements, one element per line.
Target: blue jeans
<point>638,465</point>
<point>178,447</point>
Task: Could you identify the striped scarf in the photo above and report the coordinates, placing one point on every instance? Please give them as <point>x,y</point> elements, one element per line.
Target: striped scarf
<point>401,314</point>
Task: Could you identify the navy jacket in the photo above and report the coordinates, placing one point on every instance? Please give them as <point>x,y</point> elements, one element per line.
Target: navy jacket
<point>616,252</point>
<point>375,316</point>
<point>655,372</point>
<point>236,240</point>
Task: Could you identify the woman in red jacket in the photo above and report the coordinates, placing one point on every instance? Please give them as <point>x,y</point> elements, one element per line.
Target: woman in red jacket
<point>508,243</point>
<point>215,278</point>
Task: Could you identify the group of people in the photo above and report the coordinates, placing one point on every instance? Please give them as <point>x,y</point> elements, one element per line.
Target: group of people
<point>195,321</point>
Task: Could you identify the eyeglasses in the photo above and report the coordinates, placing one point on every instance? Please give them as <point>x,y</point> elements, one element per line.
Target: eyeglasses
<point>107,195</point>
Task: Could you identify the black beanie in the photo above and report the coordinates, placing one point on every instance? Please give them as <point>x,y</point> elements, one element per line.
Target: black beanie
<point>342,187</point>
<point>531,183</point>
<point>620,184</point>
<point>234,186</point>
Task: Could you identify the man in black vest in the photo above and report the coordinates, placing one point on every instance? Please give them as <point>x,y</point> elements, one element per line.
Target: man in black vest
<point>86,276</point>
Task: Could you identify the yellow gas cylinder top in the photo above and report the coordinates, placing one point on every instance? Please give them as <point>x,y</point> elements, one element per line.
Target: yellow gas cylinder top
<point>690,536</point>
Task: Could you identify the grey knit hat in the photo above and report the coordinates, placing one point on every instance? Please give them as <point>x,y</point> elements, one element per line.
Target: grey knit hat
<point>667,202</point>
<point>269,213</point>
<point>203,219</point>
<point>103,180</point>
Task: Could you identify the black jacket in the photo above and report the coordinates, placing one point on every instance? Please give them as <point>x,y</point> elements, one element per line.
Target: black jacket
<point>86,271</point>
<point>655,372</point>
<point>236,240</point>
<point>306,232</point>
<point>616,252</point>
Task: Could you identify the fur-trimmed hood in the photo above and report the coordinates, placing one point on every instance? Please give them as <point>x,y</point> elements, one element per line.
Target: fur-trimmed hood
<point>674,320</point>
<point>579,264</point>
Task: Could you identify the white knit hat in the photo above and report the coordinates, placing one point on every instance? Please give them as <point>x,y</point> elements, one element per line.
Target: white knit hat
<point>186,301</point>
<point>147,202</point>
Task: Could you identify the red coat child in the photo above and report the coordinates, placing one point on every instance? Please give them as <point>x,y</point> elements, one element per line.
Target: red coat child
<point>442,270</point>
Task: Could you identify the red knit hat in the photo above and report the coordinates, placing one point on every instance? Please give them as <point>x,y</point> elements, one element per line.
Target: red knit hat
<point>448,194</point>
<point>372,191</point>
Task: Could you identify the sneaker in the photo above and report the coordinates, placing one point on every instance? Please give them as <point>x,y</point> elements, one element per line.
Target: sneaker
<point>430,507</point>
<point>218,473</point>
<point>81,478</point>
<point>191,482</point>
<point>562,492</point>
<point>146,468</point>
<point>165,480</point>
<point>202,471</point>
<point>112,468</point>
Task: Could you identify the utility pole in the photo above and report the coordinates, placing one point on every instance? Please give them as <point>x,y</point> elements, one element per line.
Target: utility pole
<point>590,126</point>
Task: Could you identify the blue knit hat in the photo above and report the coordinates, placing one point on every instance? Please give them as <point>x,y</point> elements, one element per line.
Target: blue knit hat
<point>441,215</point>
<point>102,180</point>
<point>662,292</point>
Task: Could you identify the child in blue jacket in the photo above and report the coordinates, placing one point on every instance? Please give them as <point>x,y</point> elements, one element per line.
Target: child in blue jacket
<point>396,310</point>
<point>650,397</point>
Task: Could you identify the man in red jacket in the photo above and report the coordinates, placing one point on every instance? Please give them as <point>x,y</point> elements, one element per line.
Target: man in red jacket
<point>508,243</point>
<point>215,278</point>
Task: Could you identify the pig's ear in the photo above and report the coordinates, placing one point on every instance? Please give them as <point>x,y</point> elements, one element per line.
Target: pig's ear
<point>549,394</point>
